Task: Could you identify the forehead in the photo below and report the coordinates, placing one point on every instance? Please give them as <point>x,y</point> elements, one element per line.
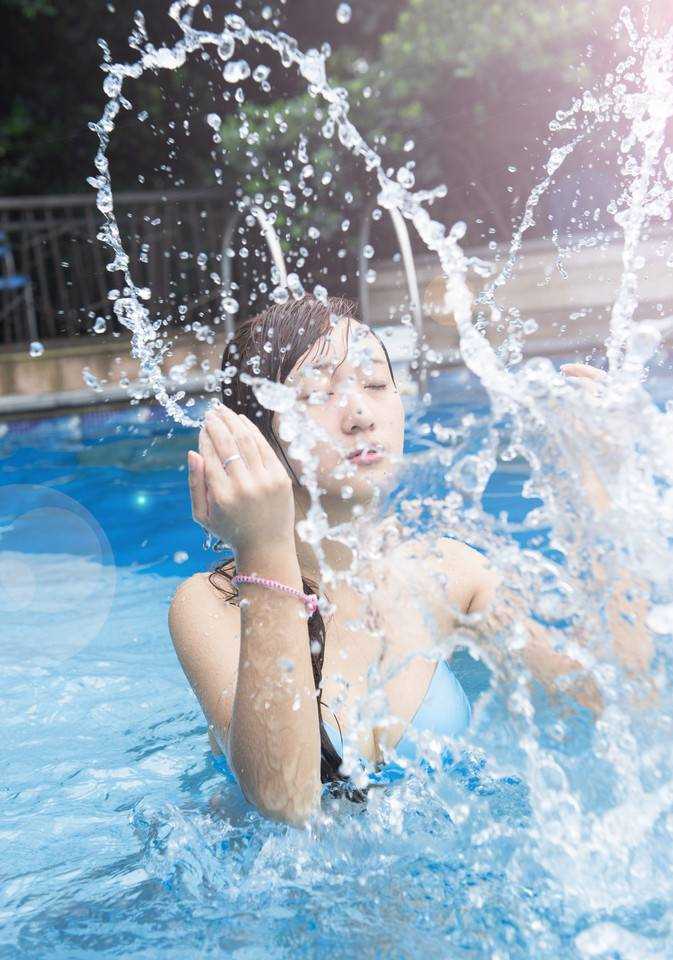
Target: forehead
<point>350,344</point>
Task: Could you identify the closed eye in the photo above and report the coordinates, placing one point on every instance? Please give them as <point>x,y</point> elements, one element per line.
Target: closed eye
<point>376,386</point>
<point>316,396</point>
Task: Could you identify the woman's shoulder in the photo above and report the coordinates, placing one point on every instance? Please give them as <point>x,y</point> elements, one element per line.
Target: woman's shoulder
<point>210,583</point>
<point>442,553</point>
<point>454,568</point>
<point>205,630</point>
<point>203,595</point>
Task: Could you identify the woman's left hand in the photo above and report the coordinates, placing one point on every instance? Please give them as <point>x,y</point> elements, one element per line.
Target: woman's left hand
<point>589,378</point>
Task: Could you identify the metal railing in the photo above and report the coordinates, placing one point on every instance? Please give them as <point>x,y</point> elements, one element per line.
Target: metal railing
<point>180,243</point>
<point>54,242</point>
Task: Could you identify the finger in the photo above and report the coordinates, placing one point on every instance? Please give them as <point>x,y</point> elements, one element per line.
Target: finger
<point>583,370</point>
<point>269,456</point>
<point>216,477</point>
<point>225,445</point>
<point>197,487</point>
<point>245,440</point>
<point>585,384</point>
<point>265,453</point>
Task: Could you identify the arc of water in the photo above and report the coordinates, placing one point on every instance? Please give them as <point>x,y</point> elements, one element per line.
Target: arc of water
<point>393,197</point>
<point>404,243</point>
<point>266,226</point>
<point>649,110</point>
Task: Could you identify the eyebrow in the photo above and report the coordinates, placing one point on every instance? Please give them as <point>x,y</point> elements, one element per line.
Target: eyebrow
<point>322,364</point>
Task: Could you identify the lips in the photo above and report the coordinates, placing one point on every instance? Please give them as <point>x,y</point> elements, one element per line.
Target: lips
<point>366,454</point>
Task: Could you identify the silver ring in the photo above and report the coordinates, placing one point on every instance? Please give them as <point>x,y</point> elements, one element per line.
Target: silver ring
<point>235,456</point>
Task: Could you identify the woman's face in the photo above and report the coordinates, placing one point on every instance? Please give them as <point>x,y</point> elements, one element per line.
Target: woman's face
<point>344,387</point>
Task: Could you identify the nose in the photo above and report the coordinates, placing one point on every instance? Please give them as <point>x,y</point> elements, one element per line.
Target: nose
<point>357,415</point>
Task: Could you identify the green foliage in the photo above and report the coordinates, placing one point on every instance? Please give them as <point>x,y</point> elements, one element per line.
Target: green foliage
<point>465,38</point>
<point>29,8</point>
<point>473,82</point>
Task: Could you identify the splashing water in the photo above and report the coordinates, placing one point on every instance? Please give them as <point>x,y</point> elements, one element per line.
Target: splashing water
<point>580,861</point>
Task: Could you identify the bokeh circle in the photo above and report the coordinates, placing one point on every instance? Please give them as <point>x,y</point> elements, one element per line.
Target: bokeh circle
<point>57,574</point>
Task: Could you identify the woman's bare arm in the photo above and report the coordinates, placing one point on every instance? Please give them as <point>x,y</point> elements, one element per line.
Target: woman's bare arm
<point>251,671</point>
<point>500,608</point>
<point>264,707</point>
<point>482,609</point>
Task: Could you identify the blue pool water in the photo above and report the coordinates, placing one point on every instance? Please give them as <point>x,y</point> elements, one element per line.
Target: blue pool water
<point>120,836</point>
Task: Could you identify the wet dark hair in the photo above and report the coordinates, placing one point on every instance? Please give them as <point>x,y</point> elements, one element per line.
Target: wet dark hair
<point>291,329</point>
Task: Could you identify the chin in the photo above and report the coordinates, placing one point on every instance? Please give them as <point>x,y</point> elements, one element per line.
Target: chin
<point>363,488</point>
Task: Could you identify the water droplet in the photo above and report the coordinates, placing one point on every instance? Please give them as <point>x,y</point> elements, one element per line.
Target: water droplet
<point>232,20</point>
<point>226,47</point>
<point>343,13</point>
<point>295,286</point>
<point>261,73</point>
<point>214,120</point>
<point>180,556</point>
<point>458,230</point>
<point>91,380</point>
<point>406,178</point>
<point>270,394</point>
<point>236,70</point>
<point>280,295</point>
<point>100,325</point>
<point>36,349</point>
<point>112,86</point>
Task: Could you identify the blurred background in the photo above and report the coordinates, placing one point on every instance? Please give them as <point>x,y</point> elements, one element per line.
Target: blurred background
<point>454,92</point>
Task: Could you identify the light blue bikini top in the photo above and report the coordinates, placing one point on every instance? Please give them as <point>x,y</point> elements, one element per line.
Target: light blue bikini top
<point>445,710</point>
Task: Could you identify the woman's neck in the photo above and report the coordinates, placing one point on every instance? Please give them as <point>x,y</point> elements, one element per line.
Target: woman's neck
<point>359,540</point>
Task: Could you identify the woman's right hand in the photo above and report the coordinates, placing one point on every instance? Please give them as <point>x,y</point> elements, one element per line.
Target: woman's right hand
<point>249,504</point>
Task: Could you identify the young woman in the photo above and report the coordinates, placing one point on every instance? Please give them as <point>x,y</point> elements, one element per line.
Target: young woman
<point>279,683</point>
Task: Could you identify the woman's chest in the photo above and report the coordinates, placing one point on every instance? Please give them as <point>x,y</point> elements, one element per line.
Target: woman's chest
<point>380,657</point>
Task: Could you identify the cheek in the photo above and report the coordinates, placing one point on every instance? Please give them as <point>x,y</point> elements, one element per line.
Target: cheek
<point>395,422</point>
<point>326,419</point>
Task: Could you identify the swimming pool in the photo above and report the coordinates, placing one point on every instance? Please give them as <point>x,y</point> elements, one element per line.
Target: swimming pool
<point>120,836</point>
